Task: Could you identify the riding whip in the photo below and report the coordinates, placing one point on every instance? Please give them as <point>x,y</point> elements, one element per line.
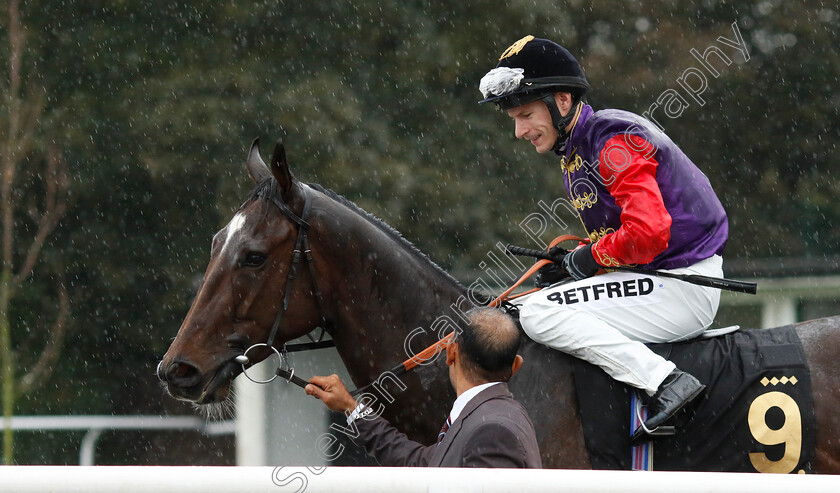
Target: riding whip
<point>711,282</point>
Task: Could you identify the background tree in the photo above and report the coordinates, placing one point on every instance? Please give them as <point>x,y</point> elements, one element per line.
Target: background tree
<point>18,135</point>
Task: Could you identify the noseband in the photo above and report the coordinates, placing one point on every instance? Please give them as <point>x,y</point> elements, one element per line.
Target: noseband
<point>301,250</point>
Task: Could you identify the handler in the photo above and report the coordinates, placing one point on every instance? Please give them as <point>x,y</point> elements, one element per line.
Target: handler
<point>486,427</point>
<point>642,202</point>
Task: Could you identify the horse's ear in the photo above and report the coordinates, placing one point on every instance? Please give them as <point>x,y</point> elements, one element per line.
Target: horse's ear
<point>256,167</point>
<point>280,170</point>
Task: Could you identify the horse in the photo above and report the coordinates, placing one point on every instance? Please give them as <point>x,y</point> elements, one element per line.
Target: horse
<point>297,256</point>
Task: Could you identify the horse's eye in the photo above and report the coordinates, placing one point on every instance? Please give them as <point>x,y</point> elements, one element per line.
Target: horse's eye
<point>253,259</point>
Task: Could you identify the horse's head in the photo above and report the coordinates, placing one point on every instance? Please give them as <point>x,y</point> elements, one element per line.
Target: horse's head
<point>245,287</point>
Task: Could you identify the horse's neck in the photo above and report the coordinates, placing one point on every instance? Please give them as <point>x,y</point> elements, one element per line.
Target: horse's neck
<point>387,298</point>
<point>399,291</point>
<point>390,303</point>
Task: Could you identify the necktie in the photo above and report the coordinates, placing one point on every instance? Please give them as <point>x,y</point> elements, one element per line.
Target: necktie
<point>443,430</point>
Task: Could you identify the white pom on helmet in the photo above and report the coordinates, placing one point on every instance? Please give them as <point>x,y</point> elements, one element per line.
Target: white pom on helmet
<point>501,81</point>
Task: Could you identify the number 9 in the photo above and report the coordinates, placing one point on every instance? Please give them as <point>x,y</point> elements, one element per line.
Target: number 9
<point>789,434</point>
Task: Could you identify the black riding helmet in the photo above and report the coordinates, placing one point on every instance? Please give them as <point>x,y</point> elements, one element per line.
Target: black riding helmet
<point>532,69</point>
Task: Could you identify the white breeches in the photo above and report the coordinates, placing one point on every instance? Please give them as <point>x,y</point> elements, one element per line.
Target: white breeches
<point>606,319</point>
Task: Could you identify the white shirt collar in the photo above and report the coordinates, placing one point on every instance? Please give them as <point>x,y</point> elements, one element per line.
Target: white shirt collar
<point>463,399</point>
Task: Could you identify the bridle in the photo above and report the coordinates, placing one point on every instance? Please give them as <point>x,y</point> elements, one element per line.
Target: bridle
<point>301,251</point>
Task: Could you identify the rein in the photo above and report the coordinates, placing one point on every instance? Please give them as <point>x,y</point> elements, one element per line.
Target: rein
<point>287,372</point>
<point>530,272</point>
<point>401,369</point>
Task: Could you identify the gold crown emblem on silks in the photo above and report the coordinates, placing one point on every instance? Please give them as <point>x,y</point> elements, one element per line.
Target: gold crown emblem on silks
<point>516,47</point>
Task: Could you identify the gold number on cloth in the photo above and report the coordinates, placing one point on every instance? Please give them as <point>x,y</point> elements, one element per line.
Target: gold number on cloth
<point>790,433</point>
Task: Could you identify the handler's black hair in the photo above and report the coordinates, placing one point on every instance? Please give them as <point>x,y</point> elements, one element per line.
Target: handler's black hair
<point>488,344</point>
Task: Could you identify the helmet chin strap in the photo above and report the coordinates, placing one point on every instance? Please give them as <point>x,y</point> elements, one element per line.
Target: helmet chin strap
<point>559,121</point>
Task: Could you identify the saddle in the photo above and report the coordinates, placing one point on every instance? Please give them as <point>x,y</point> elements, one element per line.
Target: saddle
<point>755,416</point>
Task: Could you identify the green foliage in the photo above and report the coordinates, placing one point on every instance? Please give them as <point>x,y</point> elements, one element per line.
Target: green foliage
<point>154,104</point>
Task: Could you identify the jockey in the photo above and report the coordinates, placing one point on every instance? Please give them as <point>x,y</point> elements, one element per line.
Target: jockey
<point>642,202</point>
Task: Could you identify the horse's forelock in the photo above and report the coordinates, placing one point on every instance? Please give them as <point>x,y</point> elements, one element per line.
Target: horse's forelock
<point>262,192</point>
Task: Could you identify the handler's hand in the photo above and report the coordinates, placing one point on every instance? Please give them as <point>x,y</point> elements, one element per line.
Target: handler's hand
<point>332,392</point>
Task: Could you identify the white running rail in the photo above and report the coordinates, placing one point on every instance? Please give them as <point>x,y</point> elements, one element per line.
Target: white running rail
<point>162,479</point>
<point>95,425</point>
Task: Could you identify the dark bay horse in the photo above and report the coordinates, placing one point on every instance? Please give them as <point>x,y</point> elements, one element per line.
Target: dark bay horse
<point>381,300</point>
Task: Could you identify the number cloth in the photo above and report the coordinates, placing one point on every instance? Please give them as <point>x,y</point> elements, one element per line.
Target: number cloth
<point>757,414</point>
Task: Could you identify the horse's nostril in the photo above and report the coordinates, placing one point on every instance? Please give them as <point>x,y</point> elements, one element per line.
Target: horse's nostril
<point>182,371</point>
<point>183,374</point>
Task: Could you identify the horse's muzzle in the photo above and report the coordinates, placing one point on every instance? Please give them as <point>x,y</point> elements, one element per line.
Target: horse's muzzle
<point>185,381</point>
<point>181,374</point>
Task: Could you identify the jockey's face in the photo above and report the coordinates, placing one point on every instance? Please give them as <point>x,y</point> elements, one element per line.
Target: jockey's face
<point>532,122</point>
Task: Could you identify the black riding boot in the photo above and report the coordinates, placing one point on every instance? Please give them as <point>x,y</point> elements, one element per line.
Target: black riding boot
<point>678,390</point>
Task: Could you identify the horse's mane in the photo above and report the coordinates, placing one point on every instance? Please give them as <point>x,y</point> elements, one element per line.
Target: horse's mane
<point>268,188</point>
<point>387,229</point>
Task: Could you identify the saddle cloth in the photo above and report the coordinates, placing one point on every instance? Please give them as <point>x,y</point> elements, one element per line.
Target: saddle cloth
<point>756,415</point>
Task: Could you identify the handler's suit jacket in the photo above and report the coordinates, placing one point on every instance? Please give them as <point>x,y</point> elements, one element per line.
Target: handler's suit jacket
<point>493,430</point>
<point>640,198</point>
